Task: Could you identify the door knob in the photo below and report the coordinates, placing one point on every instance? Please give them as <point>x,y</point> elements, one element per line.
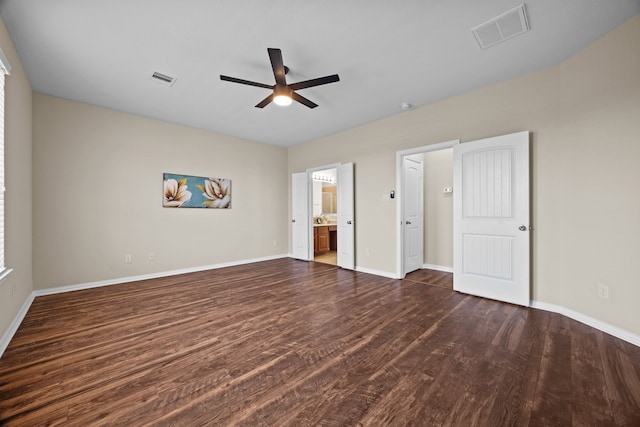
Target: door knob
<point>349,222</point>
<point>293,220</point>
<point>522,228</point>
<point>408,222</point>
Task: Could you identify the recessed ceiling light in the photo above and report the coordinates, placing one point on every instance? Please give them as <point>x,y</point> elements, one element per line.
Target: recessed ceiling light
<point>405,105</point>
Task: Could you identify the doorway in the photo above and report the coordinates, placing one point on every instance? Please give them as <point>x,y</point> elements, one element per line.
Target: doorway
<point>325,215</point>
<point>491,242</point>
<point>302,230</point>
<point>425,208</point>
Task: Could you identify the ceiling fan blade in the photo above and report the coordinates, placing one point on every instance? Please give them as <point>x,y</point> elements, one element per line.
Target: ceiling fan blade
<point>315,82</point>
<point>265,102</point>
<point>244,82</point>
<point>275,55</point>
<point>302,100</point>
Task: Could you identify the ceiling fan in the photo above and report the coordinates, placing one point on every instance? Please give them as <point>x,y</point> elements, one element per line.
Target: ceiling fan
<point>283,93</point>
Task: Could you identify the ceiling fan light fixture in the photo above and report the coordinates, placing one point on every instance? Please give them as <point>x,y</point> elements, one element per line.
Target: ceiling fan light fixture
<point>282,96</point>
<point>282,100</point>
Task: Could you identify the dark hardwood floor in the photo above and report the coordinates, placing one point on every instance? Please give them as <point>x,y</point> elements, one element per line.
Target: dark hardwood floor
<point>286,342</point>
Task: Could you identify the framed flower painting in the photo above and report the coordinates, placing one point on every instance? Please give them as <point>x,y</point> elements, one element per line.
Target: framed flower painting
<point>185,191</point>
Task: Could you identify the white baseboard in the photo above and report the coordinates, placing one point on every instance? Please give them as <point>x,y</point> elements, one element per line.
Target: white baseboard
<point>89,285</point>
<point>366,270</point>
<point>438,268</point>
<point>377,272</point>
<point>589,321</point>
<point>13,327</point>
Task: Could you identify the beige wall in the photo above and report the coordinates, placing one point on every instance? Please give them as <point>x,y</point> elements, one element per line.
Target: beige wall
<point>98,196</point>
<point>438,208</point>
<point>15,290</point>
<point>583,115</point>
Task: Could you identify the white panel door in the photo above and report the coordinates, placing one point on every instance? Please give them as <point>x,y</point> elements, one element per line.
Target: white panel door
<point>300,215</point>
<point>491,218</point>
<point>412,212</point>
<point>346,230</point>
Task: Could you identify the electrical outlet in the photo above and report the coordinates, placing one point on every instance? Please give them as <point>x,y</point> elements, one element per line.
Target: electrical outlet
<point>152,256</point>
<point>603,291</point>
<point>127,259</point>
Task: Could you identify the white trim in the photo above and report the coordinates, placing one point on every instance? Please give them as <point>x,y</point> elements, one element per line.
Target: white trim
<point>97,284</point>
<point>377,272</point>
<point>13,327</point>
<point>321,168</point>
<point>399,155</point>
<point>438,268</point>
<point>589,321</point>
<point>4,274</point>
<point>365,270</point>
<point>4,62</point>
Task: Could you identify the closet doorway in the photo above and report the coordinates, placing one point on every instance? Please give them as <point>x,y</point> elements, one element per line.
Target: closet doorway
<point>425,208</point>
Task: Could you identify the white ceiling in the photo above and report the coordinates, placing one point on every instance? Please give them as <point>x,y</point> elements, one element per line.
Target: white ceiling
<point>386,53</point>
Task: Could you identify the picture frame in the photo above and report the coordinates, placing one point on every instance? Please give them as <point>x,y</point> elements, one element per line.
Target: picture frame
<point>187,191</point>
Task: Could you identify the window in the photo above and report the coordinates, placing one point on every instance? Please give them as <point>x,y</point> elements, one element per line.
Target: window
<point>4,70</point>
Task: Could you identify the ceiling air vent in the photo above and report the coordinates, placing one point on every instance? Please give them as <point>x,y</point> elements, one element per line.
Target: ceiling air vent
<point>501,28</point>
<point>163,79</point>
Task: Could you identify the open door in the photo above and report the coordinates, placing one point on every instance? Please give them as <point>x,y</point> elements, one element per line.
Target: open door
<point>300,216</point>
<point>346,230</point>
<point>491,218</point>
<point>412,211</point>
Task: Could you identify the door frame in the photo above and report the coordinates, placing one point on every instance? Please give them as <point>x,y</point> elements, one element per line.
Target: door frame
<point>400,270</point>
<point>310,172</point>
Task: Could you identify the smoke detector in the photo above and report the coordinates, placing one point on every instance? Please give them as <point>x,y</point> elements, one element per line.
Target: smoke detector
<point>506,26</point>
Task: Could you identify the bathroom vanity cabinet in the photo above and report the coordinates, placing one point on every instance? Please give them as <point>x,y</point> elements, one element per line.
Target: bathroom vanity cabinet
<point>324,238</point>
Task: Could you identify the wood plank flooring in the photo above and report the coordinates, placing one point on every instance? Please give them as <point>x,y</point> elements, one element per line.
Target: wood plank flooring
<point>286,342</point>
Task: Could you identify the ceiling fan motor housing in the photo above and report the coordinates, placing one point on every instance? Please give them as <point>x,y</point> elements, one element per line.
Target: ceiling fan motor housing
<point>279,90</point>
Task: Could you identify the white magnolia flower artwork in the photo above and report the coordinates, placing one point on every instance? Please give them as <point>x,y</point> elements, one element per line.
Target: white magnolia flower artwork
<point>217,192</point>
<point>214,192</point>
<point>176,193</point>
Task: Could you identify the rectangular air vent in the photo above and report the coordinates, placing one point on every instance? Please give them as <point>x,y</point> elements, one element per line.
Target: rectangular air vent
<point>501,28</point>
<point>163,78</point>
